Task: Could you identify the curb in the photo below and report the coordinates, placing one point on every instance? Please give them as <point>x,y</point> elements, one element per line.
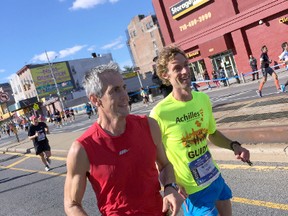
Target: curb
<point>266,134</point>
<point>258,136</point>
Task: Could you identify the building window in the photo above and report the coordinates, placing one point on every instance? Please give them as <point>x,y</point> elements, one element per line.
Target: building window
<point>152,34</point>
<point>154,44</point>
<point>148,26</point>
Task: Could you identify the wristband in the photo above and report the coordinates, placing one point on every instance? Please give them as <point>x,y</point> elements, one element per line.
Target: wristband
<point>233,143</point>
<point>173,185</point>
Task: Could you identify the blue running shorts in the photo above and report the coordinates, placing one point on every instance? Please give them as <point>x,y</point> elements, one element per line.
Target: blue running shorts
<point>204,201</point>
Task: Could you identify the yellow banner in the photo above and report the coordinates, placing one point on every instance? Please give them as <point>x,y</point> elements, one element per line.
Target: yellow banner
<point>44,82</point>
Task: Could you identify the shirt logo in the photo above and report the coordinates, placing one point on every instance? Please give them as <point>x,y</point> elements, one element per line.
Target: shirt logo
<point>124,151</point>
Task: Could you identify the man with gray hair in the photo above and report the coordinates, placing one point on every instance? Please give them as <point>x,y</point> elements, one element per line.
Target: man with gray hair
<point>118,154</point>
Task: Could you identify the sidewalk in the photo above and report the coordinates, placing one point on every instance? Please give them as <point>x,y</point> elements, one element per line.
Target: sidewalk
<point>262,121</point>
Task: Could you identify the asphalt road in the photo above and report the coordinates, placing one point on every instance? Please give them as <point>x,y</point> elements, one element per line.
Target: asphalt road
<point>26,189</point>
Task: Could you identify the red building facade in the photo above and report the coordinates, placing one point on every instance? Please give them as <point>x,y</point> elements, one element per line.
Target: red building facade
<point>224,33</point>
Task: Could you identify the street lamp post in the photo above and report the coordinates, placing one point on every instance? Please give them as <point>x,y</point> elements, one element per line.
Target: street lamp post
<point>138,75</point>
<point>55,82</point>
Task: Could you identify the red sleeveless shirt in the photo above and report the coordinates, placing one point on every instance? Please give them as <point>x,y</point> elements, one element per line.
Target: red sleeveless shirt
<point>123,173</point>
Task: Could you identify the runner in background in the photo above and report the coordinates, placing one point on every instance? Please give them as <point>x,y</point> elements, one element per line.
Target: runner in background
<point>37,133</point>
<point>266,69</point>
<point>89,110</point>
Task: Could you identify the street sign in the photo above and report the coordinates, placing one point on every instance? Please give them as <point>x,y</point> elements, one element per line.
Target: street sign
<point>4,97</point>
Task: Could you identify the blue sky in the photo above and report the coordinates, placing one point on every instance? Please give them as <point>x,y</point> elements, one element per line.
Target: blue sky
<point>66,29</point>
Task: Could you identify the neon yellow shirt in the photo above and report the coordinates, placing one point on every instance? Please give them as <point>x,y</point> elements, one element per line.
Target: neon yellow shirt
<point>185,126</point>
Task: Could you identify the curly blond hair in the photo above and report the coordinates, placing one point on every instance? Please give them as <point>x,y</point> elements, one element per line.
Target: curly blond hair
<point>166,55</point>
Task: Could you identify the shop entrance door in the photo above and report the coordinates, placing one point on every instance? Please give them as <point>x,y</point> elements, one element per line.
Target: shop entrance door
<point>226,61</point>
<point>198,68</point>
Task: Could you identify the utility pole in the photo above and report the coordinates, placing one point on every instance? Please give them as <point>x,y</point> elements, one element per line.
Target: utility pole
<point>138,75</point>
<point>55,82</point>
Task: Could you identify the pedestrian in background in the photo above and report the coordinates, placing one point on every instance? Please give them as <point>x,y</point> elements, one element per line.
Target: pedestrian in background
<point>130,104</point>
<point>144,95</point>
<point>57,118</point>
<point>206,78</point>
<point>72,114</point>
<point>117,154</point>
<point>266,69</point>
<point>215,79</point>
<point>186,122</point>
<point>283,58</point>
<point>150,94</point>
<point>89,110</point>
<point>195,86</point>
<point>37,132</point>
<point>222,75</point>
<point>253,65</point>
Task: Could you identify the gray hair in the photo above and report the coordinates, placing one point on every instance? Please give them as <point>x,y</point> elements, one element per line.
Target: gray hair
<point>92,81</point>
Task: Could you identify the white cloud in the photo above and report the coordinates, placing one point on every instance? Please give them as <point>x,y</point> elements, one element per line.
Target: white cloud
<point>86,4</point>
<point>70,51</point>
<point>53,54</point>
<point>116,44</point>
<point>8,78</point>
<point>91,48</point>
<point>2,70</point>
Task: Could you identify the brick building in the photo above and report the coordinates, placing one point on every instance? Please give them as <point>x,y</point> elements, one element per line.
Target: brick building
<point>223,33</point>
<point>144,41</point>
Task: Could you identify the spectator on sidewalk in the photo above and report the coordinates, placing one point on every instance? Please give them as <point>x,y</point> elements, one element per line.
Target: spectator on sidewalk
<point>195,86</point>
<point>37,132</point>
<point>222,74</point>
<point>253,65</point>
<point>206,78</point>
<point>130,103</point>
<point>284,59</point>
<point>144,95</point>
<point>215,79</point>
<point>117,154</point>
<point>266,69</point>
<point>186,121</point>
<point>150,94</point>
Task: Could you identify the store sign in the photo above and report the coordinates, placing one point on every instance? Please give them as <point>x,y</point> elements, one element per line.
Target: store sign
<point>185,6</point>
<point>283,20</point>
<point>193,54</point>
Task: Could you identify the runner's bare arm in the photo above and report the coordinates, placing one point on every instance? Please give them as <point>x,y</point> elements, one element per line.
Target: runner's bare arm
<point>75,184</point>
<point>220,140</point>
<point>171,197</point>
<point>34,136</point>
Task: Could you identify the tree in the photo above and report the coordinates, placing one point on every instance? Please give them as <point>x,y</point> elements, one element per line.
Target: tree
<point>128,69</point>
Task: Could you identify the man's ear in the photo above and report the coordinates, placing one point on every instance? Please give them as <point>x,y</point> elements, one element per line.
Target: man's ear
<point>95,100</point>
<point>165,76</point>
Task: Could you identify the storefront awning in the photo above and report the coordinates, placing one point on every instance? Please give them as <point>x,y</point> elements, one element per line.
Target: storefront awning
<point>23,104</point>
<point>216,45</point>
<point>50,101</point>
